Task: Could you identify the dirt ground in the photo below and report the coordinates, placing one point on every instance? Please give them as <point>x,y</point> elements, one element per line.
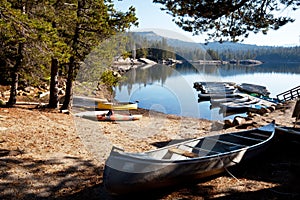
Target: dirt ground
<point>45,154</point>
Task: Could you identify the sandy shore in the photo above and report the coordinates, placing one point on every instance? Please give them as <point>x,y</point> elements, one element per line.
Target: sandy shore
<point>45,154</point>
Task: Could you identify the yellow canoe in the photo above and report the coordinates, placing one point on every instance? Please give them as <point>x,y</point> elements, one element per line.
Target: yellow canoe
<point>117,106</point>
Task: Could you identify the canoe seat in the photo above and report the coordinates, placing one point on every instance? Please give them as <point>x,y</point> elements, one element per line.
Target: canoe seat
<point>260,134</point>
<point>244,137</point>
<point>226,142</point>
<point>183,152</point>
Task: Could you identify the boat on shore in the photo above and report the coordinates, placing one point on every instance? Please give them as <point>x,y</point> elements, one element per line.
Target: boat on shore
<point>201,85</point>
<point>254,108</point>
<point>288,131</point>
<point>216,102</point>
<point>91,115</point>
<point>107,115</point>
<point>207,97</point>
<point>253,89</point>
<point>218,90</point>
<point>237,106</point>
<point>118,117</point>
<point>127,173</point>
<point>117,106</point>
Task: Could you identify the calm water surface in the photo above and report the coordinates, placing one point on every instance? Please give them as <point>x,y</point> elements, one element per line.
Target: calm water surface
<point>170,89</point>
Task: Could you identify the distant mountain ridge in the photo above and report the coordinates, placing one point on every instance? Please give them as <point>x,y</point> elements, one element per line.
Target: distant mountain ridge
<point>150,35</point>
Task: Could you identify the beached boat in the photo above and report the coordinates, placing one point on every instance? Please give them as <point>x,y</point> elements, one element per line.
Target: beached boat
<point>199,86</point>
<point>216,102</point>
<point>288,131</point>
<point>207,97</point>
<point>116,106</point>
<point>182,162</point>
<point>106,115</point>
<point>236,104</point>
<point>251,106</point>
<point>118,117</point>
<point>219,90</point>
<point>92,115</point>
<point>253,89</point>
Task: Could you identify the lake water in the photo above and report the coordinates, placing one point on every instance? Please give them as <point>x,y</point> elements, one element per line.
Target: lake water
<point>170,89</point>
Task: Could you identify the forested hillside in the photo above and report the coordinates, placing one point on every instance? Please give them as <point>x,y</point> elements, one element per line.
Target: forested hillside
<point>216,50</point>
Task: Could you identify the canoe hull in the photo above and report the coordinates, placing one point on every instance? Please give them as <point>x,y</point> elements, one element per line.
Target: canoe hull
<point>207,97</point>
<point>217,102</point>
<point>288,132</point>
<point>118,117</point>
<point>129,173</point>
<point>119,106</point>
<point>252,88</point>
<point>121,182</point>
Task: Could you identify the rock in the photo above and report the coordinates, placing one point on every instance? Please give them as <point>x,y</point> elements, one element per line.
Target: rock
<point>61,92</point>
<point>28,89</point>
<point>239,121</point>
<point>41,94</point>
<point>6,94</point>
<point>65,111</point>
<point>228,122</point>
<point>20,92</point>
<point>272,108</point>
<point>117,74</point>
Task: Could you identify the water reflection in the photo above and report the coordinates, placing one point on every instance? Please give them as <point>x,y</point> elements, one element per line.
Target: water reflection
<point>172,87</point>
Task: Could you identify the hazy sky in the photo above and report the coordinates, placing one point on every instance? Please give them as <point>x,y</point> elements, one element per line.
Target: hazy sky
<point>152,18</point>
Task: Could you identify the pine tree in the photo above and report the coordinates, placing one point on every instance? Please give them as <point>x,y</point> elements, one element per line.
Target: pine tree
<point>227,19</point>
<point>24,41</point>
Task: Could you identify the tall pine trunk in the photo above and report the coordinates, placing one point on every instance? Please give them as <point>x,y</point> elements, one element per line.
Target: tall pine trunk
<point>53,101</point>
<point>67,105</point>
<point>15,77</point>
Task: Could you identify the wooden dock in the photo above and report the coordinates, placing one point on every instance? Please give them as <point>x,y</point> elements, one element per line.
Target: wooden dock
<point>289,95</point>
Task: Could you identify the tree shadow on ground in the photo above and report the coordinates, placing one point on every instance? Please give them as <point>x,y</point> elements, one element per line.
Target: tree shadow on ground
<point>63,177</point>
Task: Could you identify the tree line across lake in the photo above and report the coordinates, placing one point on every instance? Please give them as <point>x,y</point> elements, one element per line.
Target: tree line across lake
<point>160,48</point>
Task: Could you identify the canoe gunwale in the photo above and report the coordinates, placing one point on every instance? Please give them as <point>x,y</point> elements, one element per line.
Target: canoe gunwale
<point>288,130</point>
<point>146,158</point>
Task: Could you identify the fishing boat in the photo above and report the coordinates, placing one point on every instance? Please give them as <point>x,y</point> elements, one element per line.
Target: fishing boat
<point>116,106</point>
<point>182,162</point>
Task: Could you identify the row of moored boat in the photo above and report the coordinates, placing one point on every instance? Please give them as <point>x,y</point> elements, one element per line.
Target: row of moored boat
<point>234,98</point>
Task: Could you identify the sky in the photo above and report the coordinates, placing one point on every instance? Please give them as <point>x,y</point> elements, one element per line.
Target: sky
<point>151,18</point>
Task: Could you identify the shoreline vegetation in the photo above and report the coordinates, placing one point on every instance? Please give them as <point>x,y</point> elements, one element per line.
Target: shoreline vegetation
<point>170,61</point>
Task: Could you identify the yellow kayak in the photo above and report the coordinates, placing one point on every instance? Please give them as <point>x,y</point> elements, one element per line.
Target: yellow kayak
<point>117,106</point>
